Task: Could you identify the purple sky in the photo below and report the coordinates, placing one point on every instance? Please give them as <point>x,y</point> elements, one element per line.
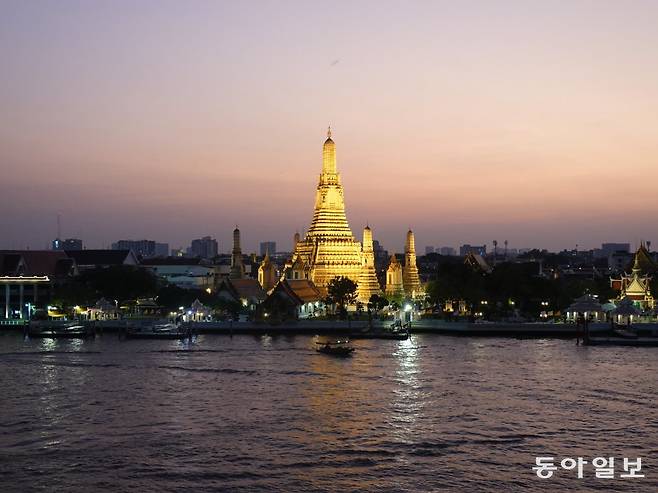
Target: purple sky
<point>535,122</point>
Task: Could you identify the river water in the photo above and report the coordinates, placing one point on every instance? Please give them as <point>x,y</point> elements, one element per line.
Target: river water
<point>246,413</point>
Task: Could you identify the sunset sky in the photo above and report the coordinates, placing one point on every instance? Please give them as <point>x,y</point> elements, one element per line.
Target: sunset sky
<point>535,122</point>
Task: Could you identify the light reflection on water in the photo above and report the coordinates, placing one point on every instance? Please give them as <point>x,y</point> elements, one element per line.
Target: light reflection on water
<point>254,413</point>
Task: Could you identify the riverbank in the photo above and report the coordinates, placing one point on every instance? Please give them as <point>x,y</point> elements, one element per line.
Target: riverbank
<point>340,327</point>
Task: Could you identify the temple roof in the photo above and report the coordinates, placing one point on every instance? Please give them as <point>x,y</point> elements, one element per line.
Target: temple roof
<point>35,262</point>
<point>102,257</point>
<point>248,288</point>
<point>242,289</point>
<point>586,303</point>
<point>299,290</point>
<point>626,307</point>
<point>644,261</point>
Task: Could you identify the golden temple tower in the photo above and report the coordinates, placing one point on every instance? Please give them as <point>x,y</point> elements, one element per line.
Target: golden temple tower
<point>368,283</point>
<point>237,267</point>
<point>267,273</point>
<point>394,285</point>
<point>410,279</point>
<point>329,248</point>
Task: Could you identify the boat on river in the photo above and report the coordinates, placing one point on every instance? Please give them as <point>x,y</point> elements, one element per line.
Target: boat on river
<point>335,348</point>
<point>59,330</point>
<point>155,330</point>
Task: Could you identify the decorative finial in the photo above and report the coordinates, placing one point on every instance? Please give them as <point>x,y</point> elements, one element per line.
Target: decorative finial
<point>329,132</point>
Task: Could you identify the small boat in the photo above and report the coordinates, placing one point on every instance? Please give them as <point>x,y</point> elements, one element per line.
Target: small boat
<point>335,348</point>
<point>621,341</point>
<point>398,335</point>
<point>69,330</point>
<point>157,331</point>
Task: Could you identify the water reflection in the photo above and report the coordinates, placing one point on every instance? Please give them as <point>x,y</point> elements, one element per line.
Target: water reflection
<point>48,344</point>
<point>409,400</point>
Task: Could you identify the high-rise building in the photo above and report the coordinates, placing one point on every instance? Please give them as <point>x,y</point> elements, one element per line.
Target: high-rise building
<point>448,251</point>
<point>267,247</point>
<point>429,249</point>
<point>143,248</point>
<point>205,247</point>
<point>609,248</point>
<point>67,244</point>
<point>161,249</point>
<point>474,249</point>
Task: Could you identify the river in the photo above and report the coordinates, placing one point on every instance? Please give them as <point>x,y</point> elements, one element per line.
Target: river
<point>433,413</point>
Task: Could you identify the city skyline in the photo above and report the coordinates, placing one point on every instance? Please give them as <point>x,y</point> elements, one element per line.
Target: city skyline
<point>465,124</point>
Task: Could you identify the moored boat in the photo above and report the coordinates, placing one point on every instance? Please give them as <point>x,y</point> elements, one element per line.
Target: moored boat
<point>59,330</point>
<point>157,331</point>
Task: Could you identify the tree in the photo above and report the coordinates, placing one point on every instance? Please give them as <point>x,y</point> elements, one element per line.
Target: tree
<point>121,282</point>
<point>342,291</point>
<point>377,302</point>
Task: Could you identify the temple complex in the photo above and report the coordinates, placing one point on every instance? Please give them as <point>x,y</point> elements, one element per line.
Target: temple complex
<point>328,249</point>
<point>635,286</point>
<point>368,284</point>
<point>410,278</point>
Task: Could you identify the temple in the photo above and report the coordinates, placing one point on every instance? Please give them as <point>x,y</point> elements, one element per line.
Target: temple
<point>635,286</point>
<point>410,278</point>
<point>267,273</point>
<point>394,284</point>
<point>328,249</point>
<point>368,284</point>
<point>237,266</point>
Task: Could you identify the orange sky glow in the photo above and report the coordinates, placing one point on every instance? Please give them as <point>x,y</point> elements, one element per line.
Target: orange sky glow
<point>469,122</point>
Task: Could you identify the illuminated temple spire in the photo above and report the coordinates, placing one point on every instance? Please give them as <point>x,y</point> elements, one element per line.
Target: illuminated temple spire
<point>329,155</point>
<point>394,288</point>
<point>267,273</point>
<point>410,277</point>
<point>368,283</point>
<point>237,267</point>
<point>329,247</point>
